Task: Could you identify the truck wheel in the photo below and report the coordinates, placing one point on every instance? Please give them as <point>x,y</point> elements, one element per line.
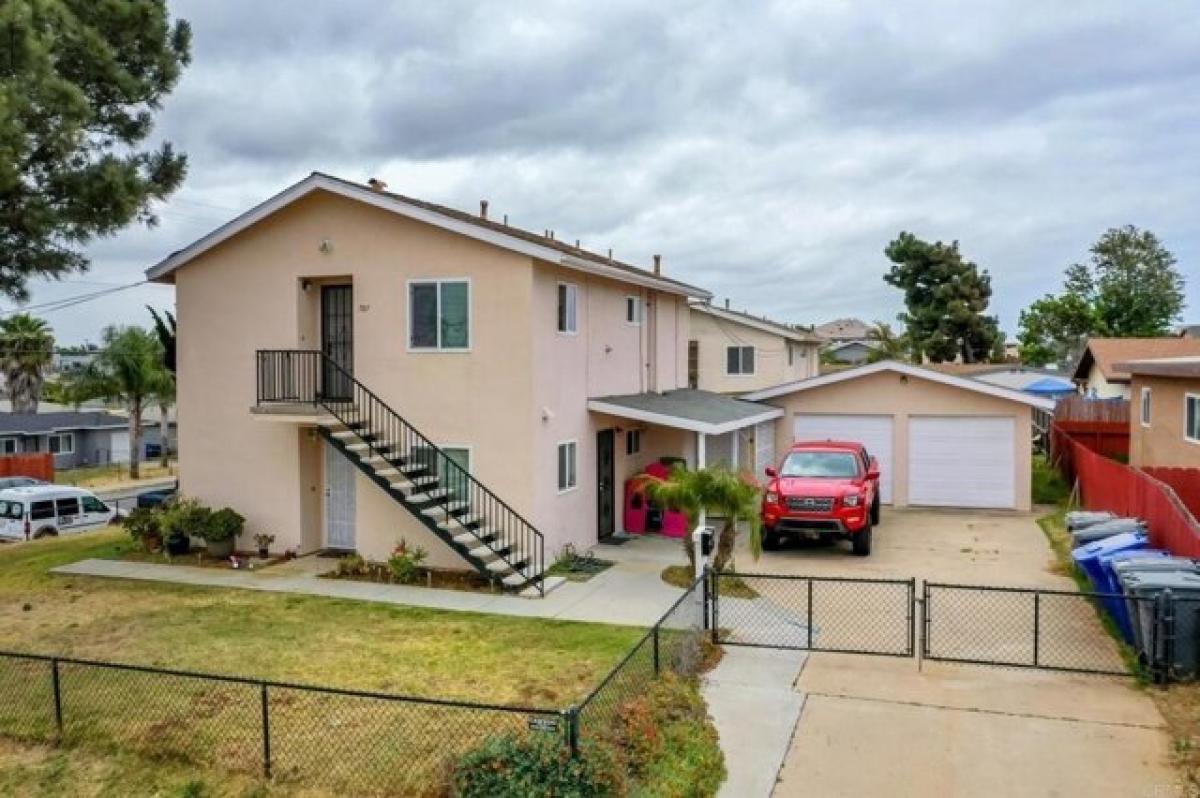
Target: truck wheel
<point>770,540</point>
<point>875,512</point>
<point>45,532</point>
<point>861,542</point>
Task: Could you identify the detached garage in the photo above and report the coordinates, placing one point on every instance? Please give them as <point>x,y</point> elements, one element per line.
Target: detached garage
<point>941,440</point>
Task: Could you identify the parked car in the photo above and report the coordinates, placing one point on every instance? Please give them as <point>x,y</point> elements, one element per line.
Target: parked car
<point>20,482</point>
<point>40,511</point>
<point>823,490</point>
<point>156,498</point>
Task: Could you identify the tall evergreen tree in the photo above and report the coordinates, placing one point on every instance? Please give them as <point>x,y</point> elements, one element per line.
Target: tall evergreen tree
<point>945,298</point>
<point>80,81</point>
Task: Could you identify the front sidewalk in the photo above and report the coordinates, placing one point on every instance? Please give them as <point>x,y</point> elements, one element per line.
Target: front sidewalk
<point>631,592</point>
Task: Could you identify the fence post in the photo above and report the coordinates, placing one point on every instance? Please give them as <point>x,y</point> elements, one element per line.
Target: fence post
<point>266,730</point>
<point>912,616</point>
<point>1037,625</point>
<point>716,604</point>
<point>809,611</point>
<point>572,715</point>
<point>925,618</point>
<point>704,588</point>
<point>654,632</point>
<point>58,713</point>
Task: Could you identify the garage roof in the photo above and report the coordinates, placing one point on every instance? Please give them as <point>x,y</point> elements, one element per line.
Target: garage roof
<point>698,411</point>
<point>906,369</point>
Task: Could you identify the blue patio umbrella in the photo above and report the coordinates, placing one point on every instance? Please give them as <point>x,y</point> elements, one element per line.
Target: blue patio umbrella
<point>1050,386</point>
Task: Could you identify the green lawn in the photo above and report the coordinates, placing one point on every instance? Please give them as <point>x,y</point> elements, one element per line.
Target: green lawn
<point>533,662</point>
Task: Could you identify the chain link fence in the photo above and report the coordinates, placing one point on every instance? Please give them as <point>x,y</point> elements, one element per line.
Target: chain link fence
<point>810,613</point>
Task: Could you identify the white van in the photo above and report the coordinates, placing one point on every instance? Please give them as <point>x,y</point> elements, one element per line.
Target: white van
<point>40,511</point>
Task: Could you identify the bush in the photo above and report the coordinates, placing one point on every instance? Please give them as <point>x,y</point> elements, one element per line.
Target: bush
<point>514,766</point>
<point>352,565</point>
<point>405,563</point>
<point>224,524</point>
<point>1049,487</point>
<point>144,525</point>
<point>186,518</point>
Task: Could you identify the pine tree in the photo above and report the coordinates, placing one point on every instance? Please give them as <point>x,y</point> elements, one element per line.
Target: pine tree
<point>80,81</point>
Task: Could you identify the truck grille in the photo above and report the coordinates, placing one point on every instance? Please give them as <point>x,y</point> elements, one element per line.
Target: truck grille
<point>810,504</point>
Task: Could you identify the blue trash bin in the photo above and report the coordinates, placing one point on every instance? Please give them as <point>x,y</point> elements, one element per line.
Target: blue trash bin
<point>1087,557</point>
<point>1113,599</point>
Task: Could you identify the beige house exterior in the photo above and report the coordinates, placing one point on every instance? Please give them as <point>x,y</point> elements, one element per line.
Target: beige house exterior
<point>1098,370</point>
<point>490,341</point>
<point>942,440</point>
<point>734,352</point>
<point>1164,423</point>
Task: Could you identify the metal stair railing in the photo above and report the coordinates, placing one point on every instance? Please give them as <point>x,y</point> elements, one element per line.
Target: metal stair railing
<point>291,376</point>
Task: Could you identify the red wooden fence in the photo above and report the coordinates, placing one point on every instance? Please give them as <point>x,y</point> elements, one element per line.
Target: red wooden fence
<point>1105,484</point>
<point>38,466</point>
<point>1184,481</point>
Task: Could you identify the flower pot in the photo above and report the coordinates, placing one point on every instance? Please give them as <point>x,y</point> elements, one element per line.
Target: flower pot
<point>220,549</point>
<point>262,554</point>
<point>178,546</point>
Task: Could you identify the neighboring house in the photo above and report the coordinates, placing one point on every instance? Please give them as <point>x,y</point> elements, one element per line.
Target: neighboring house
<point>853,353</point>
<point>734,352</point>
<point>74,438</point>
<point>99,454</point>
<point>1098,375</point>
<point>1042,382</point>
<point>356,367</point>
<point>1188,331</point>
<point>847,340</point>
<point>941,439</point>
<point>1164,424</point>
<point>70,362</point>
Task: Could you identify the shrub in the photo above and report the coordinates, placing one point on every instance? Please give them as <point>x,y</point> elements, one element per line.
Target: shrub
<point>224,524</point>
<point>405,562</point>
<point>186,518</point>
<point>144,525</point>
<point>352,565</point>
<point>513,766</point>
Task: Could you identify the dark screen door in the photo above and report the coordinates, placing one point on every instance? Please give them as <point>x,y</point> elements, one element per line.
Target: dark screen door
<point>337,339</point>
<point>606,502</point>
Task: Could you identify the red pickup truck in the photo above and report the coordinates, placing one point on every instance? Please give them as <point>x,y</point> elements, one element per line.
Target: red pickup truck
<point>825,490</point>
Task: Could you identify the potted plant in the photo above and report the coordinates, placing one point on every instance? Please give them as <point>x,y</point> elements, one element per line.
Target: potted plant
<point>181,521</point>
<point>145,527</point>
<point>263,541</point>
<point>222,531</point>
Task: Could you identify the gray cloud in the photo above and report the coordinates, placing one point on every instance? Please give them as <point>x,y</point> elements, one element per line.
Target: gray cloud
<point>768,150</point>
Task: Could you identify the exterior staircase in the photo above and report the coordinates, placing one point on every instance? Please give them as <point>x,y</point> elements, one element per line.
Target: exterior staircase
<point>459,509</point>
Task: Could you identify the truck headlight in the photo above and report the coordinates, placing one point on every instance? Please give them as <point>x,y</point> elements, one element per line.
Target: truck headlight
<point>772,497</point>
<point>851,500</point>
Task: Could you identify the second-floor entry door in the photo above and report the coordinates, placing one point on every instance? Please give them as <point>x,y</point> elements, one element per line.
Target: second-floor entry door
<point>337,339</point>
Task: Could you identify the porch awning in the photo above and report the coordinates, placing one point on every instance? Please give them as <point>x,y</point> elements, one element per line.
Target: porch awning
<point>697,411</point>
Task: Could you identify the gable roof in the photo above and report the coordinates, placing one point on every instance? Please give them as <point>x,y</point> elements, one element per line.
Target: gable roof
<point>1106,353</point>
<point>756,322</point>
<point>906,369</point>
<point>40,423</point>
<point>843,330</point>
<point>1180,367</point>
<point>446,218</point>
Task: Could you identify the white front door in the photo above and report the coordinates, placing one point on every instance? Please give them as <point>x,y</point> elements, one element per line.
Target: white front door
<point>962,461</point>
<point>764,448</point>
<point>119,447</point>
<point>339,500</point>
<point>873,432</point>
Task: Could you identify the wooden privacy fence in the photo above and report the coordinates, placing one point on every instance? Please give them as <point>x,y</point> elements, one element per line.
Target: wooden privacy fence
<point>39,466</point>
<point>1105,484</point>
<point>1184,481</point>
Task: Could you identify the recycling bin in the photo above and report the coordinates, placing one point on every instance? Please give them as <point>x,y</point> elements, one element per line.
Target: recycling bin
<point>1105,529</point>
<point>1172,596</point>
<point>1079,519</point>
<point>1135,567</point>
<point>1087,557</point>
<point>1113,598</point>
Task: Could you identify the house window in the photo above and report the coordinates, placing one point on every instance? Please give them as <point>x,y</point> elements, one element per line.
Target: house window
<point>1191,417</point>
<point>739,360</point>
<point>633,310</point>
<point>1145,407</point>
<point>568,308</point>
<point>439,315</point>
<point>633,441</point>
<point>455,462</point>
<point>568,476</point>
<point>693,364</point>
<point>62,443</point>
<point>791,354</point>
<point>8,446</point>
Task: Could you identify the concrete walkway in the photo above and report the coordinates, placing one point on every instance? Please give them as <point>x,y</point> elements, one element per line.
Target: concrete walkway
<point>630,592</point>
<point>755,706</point>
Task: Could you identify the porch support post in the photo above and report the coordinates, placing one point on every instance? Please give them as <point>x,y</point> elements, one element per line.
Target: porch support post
<point>702,521</point>
<point>737,444</point>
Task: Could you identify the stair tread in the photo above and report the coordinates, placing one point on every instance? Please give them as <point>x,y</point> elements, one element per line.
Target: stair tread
<point>515,579</point>
<point>499,566</point>
<point>442,509</point>
<point>428,496</point>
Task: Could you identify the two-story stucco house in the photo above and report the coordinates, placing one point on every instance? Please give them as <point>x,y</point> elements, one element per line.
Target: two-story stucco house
<point>734,352</point>
<point>356,367</point>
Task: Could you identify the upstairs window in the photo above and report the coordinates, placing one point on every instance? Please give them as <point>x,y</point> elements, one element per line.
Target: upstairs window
<point>568,308</point>
<point>739,360</point>
<point>633,310</point>
<point>1145,407</point>
<point>1191,417</point>
<point>439,315</point>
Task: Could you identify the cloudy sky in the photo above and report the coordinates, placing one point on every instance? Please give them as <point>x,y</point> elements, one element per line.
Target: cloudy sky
<point>769,151</point>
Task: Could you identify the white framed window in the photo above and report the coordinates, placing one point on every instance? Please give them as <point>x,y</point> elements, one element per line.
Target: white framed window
<point>1145,407</point>
<point>568,308</point>
<point>633,310</point>
<point>633,441</point>
<point>568,471</point>
<point>9,446</point>
<point>1191,417</point>
<point>439,315</point>
<point>739,360</point>
<point>61,443</point>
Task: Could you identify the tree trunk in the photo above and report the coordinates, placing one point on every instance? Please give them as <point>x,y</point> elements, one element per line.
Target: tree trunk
<point>725,543</point>
<point>135,439</point>
<point>164,434</point>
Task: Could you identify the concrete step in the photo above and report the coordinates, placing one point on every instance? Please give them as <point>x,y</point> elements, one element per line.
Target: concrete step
<point>551,583</point>
<point>413,468</point>
<point>428,496</point>
<point>499,567</point>
<point>441,510</point>
<point>515,579</point>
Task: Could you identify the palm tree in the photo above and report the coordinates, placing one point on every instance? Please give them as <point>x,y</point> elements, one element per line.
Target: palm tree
<point>719,491</point>
<point>26,351</point>
<point>889,345</point>
<point>129,369</point>
<point>164,394</point>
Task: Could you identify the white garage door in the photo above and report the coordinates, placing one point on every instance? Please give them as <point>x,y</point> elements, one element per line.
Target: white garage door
<point>874,432</point>
<point>961,461</point>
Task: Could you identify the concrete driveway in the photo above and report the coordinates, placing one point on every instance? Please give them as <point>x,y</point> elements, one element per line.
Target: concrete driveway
<point>879,726</point>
